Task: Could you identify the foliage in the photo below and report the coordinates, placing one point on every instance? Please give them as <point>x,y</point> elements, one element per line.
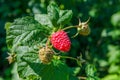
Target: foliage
<point>24,38</point>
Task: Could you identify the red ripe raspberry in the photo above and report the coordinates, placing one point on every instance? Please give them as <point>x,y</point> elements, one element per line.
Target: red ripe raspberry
<point>61,41</point>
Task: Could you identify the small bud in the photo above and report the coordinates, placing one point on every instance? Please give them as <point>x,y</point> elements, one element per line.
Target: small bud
<point>45,55</point>
<point>84,28</point>
<point>11,58</point>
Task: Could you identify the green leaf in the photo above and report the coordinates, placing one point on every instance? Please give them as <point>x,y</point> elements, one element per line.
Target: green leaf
<point>7,25</point>
<point>114,69</point>
<point>26,31</point>
<point>53,13</point>
<point>114,33</point>
<point>1,78</point>
<point>14,72</point>
<point>26,54</point>
<point>115,19</point>
<point>91,72</point>
<point>113,54</point>
<point>43,19</point>
<point>74,71</point>
<point>56,70</point>
<point>111,77</point>
<point>65,16</point>
<point>30,65</point>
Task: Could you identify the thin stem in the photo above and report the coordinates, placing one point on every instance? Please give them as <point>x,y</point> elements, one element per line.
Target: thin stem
<point>77,33</point>
<point>83,78</point>
<point>68,57</point>
<point>69,27</point>
<point>48,42</point>
<point>78,62</point>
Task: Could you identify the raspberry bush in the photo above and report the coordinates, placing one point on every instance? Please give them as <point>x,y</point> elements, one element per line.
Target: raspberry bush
<point>37,45</point>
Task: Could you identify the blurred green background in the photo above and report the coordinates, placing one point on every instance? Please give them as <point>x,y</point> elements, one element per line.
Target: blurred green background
<point>101,47</point>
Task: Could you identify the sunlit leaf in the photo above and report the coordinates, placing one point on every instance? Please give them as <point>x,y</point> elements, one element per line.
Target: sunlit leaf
<point>115,19</point>
<point>26,31</point>
<point>43,19</point>
<point>65,17</point>
<point>53,13</point>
